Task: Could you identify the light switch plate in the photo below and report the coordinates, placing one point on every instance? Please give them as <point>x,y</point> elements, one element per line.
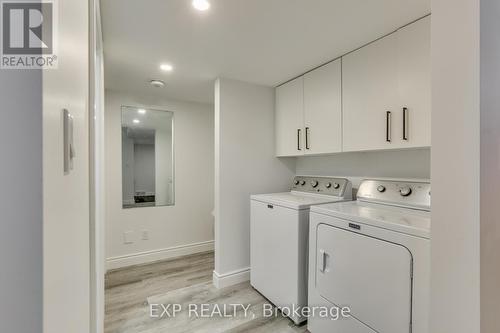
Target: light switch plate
<point>69,148</point>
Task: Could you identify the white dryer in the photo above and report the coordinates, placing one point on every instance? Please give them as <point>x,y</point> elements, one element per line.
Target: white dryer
<point>372,255</point>
<point>279,236</point>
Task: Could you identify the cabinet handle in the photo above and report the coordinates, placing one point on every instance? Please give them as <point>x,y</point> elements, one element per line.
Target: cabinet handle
<point>406,122</point>
<point>298,139</point>
<point>307,138</point>
<point>388,119</point>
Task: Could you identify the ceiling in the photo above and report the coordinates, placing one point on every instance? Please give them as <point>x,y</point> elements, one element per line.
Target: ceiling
<point>259,41</point>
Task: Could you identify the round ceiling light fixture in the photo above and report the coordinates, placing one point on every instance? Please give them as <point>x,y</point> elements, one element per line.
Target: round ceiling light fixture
<point>141,111</point>
<point>166,67</point>
<point>157,83</point>
<point>201,5</point>
<point>136,121</point>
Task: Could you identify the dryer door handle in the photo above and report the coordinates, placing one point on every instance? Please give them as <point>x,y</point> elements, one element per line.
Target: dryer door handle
<point>322,260</point>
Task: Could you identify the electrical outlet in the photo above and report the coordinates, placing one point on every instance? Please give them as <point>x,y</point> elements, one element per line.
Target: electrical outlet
<point>145,234</point>
<point>128,237</point>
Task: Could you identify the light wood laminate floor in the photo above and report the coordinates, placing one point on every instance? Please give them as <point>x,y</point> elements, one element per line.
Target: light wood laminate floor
<point>187,280</point>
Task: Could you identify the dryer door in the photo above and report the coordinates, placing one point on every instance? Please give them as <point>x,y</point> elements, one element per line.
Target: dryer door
<point>369,275</point>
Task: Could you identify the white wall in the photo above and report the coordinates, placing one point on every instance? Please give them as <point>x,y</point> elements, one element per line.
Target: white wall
<point>144,168</point>
<point>244,164</point>
<point>172,229</point>
<point>455,167</point>
<point>21,201</point>
<point>163,160</point>
<point>66,242</point>
<point>128,165</point>
<point>490,166</point>
<point>414,163</point>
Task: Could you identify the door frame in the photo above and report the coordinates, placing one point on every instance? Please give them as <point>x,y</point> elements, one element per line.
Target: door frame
<point>96,169</point>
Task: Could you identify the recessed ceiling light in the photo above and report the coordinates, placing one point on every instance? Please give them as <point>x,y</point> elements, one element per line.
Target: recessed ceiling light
<point>136,121</point>
<point>141,111</point>
<point>201,4</point>
<point>166,67</point>
<point>157,83</point>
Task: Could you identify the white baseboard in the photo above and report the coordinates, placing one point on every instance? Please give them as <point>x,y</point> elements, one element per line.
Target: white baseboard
<point>231,278</point>
<point>156,255</point>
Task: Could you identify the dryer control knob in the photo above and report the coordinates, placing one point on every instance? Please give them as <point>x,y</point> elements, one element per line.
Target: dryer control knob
<point>302,182</point>
<point>405,191</point>
<point>381,188</point>
<point>328,185</point>
<point>314,183</point>
<point>336,185</point>
<point>296,182</point>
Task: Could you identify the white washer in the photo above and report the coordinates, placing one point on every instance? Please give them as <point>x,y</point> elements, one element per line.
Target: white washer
<point>279,236</point>
<point>372,255</point>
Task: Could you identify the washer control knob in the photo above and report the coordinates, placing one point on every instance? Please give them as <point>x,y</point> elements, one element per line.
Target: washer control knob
<point>381,188</point>
<point>314,183</point>
<point>336,185</point>
<point>302,182</point>
<point>296,182</point>
<point>328,185</point>
<point>405,191</point>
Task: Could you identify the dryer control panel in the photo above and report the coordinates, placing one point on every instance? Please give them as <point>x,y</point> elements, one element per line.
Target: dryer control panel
<point>339,187</point>
<point>415,195</point>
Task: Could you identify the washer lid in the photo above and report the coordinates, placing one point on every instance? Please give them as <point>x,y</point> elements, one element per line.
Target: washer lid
<point>405,220</point>
<point>295,199</point>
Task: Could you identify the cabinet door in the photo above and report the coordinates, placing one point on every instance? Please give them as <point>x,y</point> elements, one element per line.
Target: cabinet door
<point>323,109</point>
<point>369,92</point>
<point>289,118</point>
<point>414,84</point>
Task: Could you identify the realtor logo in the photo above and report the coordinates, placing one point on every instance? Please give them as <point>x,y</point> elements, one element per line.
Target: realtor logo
<point>28,34</point>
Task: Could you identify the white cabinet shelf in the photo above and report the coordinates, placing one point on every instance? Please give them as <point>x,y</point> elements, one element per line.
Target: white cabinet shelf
<point>323,109</point>
<point>386,92</point>
<point>414,83</point>
<point>369,92</point>
<point>289,118</point>
<point>377,97</point>
<point>309,113</point>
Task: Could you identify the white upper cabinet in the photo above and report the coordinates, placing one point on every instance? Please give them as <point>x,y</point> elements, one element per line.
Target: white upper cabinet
<point>369,78</point>
<point>377,97</point>
<point>289,118</point>
<point>414,84</point>
<point>309,113</point>
<point>386,91</point>
<point>323,109</point>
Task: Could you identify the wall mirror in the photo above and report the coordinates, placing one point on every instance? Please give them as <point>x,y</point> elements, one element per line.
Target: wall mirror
<point>147,157</point>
